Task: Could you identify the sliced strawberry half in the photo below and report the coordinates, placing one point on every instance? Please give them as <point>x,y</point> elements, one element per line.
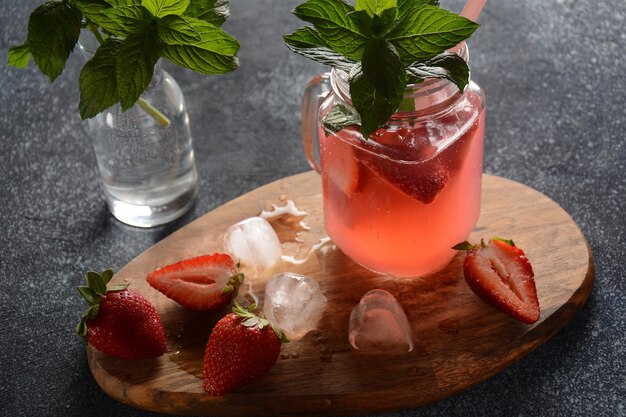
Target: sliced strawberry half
<point>404,159</point>
<point>421,181</point>
<point>340,162</point>
<point>206,282</point>
<point>500,273</point>
<point>455,155</point>
<point>403,144</point>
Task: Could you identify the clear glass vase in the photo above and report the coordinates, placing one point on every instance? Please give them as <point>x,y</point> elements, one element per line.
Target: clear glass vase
<point>145,154</point>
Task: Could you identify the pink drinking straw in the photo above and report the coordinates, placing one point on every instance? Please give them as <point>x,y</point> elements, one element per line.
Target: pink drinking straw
<point>472,9</point>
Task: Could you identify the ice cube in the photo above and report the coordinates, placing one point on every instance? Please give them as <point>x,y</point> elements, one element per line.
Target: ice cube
<point>294,303</point>
<point>254,243</point>
<point>378,324</point>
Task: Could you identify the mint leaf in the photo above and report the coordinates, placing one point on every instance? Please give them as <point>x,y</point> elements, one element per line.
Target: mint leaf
<point>363,21</point>
<point>375,7</point>
<point>372,108</point>
<point>425,32</point>
<point>53,30</point>
<point>96,11</point>
<point>123,2</point>
<point>19,56</point>
<point>98,81</point>
<point>385,21</point>
<point>129,19</point>
<point>447,65</point>
<point>405,5</point>
<point>161,8</point>
<point>385,44</point>
<point>377,85</point>
<point>382,66</point>
<point>340,117</point>
<point>374,25</point>
<point>212,11</point>
<point>213,54</point>
<point>330,18</point>
<point>177,30</point>
<point>134,67</point>
<point>307,42</point>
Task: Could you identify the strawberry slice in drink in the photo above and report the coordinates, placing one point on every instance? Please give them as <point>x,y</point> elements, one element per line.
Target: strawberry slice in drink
<point>206,282</point>
<point>340,164</point>
<point>342,175</point>
<point>455,154</point>
<point>405,159</point>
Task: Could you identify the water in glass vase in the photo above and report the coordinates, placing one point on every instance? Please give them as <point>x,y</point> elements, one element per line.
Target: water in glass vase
<point>146,160</point>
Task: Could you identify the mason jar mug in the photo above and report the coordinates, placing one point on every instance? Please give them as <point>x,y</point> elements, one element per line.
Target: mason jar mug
<point>398,201</point>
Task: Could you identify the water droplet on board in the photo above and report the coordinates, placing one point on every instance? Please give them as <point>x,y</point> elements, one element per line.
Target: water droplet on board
<point>191,341</point>
<point>298,261</point>
<point>287,221</point>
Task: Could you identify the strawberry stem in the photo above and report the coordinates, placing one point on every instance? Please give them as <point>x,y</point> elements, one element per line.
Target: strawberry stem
<point>507,241</point>
<point>252,320</point>
<point>464,246</point>
<point>234,282</point>
<point>93,292</point>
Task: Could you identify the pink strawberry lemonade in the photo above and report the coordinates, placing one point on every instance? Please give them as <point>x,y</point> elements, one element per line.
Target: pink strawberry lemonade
<point>398,202</point>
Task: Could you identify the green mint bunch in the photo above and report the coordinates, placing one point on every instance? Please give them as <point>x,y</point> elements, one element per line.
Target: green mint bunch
<point>133,34</point>
<point>383,45</point>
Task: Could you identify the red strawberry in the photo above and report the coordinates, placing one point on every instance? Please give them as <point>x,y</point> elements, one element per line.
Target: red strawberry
<point>406,159</point>
<point>455,154</point>
<point>403,144</point>
<point>120,322</point>
<point>206,282</point>
<point>241,347</point>
<point>422,181</point>
<point>340,164</point>
<point>500,273</point>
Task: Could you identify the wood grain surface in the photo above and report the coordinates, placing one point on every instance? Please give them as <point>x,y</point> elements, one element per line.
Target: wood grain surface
<point>459,340</point>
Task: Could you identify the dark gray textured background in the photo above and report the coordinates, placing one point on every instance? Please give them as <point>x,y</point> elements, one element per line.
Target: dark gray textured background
<point>554,74</point>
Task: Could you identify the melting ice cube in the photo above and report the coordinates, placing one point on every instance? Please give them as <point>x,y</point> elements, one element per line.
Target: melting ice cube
<point>378,324</point>
<point>254,243</point>
<point>294,303</point>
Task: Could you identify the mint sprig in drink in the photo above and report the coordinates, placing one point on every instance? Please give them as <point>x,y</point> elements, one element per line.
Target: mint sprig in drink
<point>400,131</point>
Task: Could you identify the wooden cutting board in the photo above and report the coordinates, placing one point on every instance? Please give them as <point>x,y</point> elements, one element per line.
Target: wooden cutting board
<point>459,340</point>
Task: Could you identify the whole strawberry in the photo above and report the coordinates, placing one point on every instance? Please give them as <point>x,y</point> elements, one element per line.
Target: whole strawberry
<point>242,347</point>
<point>500,273</point>
<point>120,322</point>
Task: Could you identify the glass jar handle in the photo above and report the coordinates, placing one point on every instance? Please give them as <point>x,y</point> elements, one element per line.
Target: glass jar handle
<point>316,91</point>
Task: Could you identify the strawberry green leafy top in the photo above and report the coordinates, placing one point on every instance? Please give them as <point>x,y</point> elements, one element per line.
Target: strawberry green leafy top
<point>133,34</point>
<point>382,45</point>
